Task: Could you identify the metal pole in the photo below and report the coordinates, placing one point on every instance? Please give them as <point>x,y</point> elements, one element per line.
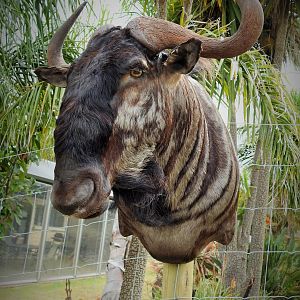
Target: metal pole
<point>77,246</point>
<point>46,217</point>
<point>33,214</point>
<point>102,241</point>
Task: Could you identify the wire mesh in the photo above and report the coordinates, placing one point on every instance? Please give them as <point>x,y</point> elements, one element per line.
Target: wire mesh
<point>49,246</point>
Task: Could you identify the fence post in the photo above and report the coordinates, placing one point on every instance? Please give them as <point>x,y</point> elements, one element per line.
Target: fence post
<point>102,242</point>
<point>178,281</point>
<point>46,217</point>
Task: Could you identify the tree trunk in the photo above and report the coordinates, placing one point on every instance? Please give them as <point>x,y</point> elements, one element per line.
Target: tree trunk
<point>187,6</point>
<point>232,124</point>
<point>244,235</point>
<point>255,264</point>
<point>115,265</point>
<point>282,21</point>
<point>161,6</point>
<point>243,270</point>
<point>135,265</point>
<point>254,269</point>
<point>235,264</point>
<point>230,259</point>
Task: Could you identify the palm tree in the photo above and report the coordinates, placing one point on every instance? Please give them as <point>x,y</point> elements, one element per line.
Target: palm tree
<point>281,33</point>
<point>27,107</point>
<point>281,36</point>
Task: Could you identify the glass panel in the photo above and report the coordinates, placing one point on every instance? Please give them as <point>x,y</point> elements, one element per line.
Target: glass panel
<point>19,249</point>
<point>59,246</point>
<point>91,244</point>
<point>68,258</point>
<point>89,247</point>
<point>108,235</point>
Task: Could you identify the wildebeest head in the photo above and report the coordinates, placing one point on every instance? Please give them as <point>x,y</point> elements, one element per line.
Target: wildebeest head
<point>116,109</point>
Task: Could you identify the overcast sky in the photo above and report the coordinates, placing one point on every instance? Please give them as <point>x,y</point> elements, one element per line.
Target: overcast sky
<point>114,8</point>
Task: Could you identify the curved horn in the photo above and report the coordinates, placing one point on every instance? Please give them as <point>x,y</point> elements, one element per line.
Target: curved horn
<point>54,53</point>
<point>157,34</point>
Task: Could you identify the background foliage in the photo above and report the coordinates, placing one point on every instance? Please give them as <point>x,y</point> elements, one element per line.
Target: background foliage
<point>28,109</point>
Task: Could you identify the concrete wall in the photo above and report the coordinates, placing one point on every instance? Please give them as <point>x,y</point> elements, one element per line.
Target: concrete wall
<point>291,76</point>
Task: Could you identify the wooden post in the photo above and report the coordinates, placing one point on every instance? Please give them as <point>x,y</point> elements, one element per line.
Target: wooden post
<point>178,281</point>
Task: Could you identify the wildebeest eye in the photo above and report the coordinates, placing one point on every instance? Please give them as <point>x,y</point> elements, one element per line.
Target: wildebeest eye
<point>162,56</point>
<point>136,72</point>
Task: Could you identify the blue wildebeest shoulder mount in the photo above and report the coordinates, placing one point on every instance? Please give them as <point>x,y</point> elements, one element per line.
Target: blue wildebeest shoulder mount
<point>133,122</point>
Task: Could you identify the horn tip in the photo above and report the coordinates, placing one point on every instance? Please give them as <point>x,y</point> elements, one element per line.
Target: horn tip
<point>81,7</point>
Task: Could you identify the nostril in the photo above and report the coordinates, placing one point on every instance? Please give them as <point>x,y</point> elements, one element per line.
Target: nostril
<point>67,197</point>
<point>84,190</point>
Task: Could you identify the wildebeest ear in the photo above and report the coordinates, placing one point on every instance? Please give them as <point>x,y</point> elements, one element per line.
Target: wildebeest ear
<point>183,58</point>
<point>54,75</point>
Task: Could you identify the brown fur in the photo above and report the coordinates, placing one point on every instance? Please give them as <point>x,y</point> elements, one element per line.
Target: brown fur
<point>156,140</point>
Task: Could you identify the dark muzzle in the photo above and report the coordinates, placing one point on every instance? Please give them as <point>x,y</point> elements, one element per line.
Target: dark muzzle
<point>82,192</point>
